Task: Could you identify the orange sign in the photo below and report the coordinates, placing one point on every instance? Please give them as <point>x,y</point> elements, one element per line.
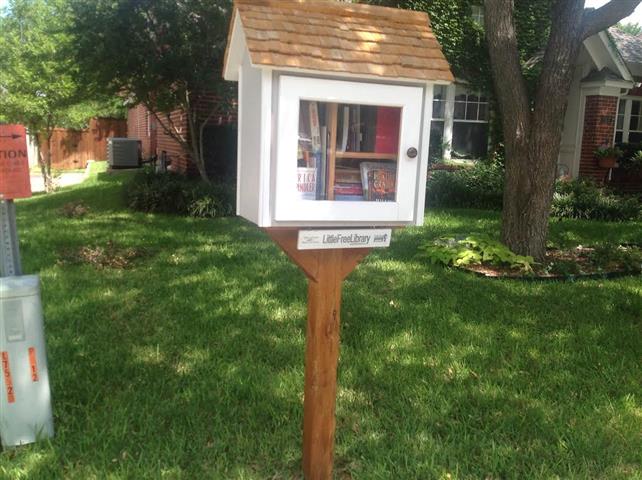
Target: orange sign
<point>33,365</point>
<point>14,164</point>
<point>8,381</point>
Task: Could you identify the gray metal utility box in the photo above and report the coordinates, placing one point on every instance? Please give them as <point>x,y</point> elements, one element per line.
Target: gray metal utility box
<point>25,397</point>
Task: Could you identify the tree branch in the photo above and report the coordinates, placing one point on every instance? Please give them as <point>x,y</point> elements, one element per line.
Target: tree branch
<point>604,17</point>
<point>175,135</point>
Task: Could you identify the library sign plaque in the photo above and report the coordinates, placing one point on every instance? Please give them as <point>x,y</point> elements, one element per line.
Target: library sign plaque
<point>329,239</point>
<point>332,154</point>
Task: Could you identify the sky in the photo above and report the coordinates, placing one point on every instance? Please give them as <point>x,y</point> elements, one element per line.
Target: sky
<point>635,18</point>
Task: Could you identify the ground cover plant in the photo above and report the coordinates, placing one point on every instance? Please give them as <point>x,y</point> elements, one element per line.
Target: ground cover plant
<point>488,256</point>
<point>188,362</point>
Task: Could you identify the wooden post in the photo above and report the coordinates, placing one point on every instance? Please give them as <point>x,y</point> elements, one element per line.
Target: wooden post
<point>325,270</point>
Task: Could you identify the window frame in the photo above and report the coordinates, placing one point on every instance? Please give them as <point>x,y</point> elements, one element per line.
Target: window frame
<point>478,14</point>
<point>468,103</point>
<point>292,89</point>
<point>450,122</point>
<point>627,116</point>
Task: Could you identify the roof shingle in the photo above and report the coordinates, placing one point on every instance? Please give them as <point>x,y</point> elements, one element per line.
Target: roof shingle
<point>630,47</point>
<point>342,37</point>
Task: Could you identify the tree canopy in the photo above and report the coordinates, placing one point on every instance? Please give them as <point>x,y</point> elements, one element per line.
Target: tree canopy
<point>39,85</point>
<point>631,28</point>
<point>161,53</point>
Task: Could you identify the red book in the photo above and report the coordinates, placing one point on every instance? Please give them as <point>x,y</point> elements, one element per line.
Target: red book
<point>388,123</point>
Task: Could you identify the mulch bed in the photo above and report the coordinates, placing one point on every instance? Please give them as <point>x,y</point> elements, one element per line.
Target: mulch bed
<point>565,265</point>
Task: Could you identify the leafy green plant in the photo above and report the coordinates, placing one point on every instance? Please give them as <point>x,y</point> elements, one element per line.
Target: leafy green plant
<point>473,250</point>
<point>479,186</point>
<point>153,192</point>
<point>565,268</point>
<point>608,256</point>
<point>632,163</point>
<point>608,151</point>
<point>583,199</point>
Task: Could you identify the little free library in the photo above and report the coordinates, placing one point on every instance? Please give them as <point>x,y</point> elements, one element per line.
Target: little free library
<point>335,101</point>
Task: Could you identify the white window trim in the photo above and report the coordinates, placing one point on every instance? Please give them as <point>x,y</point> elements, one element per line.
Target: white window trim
<point>450,120</point>
<point>478,14</point>
<point>288,207</point>
<point>628,107</point>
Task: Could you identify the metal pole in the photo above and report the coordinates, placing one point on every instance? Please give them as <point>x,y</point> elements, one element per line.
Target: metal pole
<point>9,250</point>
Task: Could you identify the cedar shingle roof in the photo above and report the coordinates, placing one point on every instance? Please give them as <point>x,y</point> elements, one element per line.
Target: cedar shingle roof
<point>342,37</point>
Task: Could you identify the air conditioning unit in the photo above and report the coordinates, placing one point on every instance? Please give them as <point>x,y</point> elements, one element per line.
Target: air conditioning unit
<point>123,152</point>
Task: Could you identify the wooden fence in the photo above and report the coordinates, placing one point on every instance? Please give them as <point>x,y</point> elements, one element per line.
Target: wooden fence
<point>71,149</point>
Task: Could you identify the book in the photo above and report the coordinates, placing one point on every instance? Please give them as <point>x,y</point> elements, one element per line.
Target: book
<point>348,189</point>
<point>306,183</point>
<point>342,142</point>
<point>348,198</point>
<point>369,126</point>
<point>379,181</point>
<point>347,175</point>
<point>322,174</point>
<point>387,131</point>
<point>305,142</point>
<point>354,140</point>
<point>315,133</point>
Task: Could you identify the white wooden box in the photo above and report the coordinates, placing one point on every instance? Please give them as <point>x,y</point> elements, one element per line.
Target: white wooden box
<point>323,148</point>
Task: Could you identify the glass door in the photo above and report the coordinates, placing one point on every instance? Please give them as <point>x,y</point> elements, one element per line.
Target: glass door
<point>347,151</point>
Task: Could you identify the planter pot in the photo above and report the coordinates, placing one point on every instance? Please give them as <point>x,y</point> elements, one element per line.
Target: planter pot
<point>607,162</point>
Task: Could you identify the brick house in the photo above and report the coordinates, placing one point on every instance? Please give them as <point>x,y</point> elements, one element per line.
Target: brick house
<point>219,138</point>
<point>605,106</point>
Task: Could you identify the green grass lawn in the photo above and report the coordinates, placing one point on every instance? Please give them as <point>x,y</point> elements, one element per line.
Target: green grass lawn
<point>189,364</point>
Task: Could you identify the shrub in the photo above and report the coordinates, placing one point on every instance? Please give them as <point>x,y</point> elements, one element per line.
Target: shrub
<point>608,256</point>
<point>153,192</point>
<point>585,200</point>
<point>479,186</point>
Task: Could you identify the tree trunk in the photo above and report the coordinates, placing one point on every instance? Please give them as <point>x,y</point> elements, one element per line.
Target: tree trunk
<point>192,145</point>
<point>44,162</point>
<point>533,135</point>
<point>196,139</point>
<point>46,168</point>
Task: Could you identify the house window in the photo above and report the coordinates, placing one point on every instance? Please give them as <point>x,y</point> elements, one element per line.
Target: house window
<point>628,128</point>
<point>478,15</point>
<point>439,102</point>
<point>438,122</point>
<point>619,126</point>
<point>470,124</point>
<point>635,125</point>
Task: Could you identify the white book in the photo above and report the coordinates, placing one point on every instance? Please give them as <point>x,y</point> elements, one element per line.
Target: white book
<point>315,133</point>
<point>346,127</point>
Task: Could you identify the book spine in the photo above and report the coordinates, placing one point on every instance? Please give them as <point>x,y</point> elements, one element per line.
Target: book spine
<point>346,127</point>
<point>315,133</point>
<point>321,172</point>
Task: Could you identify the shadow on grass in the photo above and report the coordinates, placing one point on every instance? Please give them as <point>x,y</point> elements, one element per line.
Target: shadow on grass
<point>190,363</point>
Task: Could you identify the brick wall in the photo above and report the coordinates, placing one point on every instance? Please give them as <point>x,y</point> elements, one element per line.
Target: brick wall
<point>599,128</point>
<point>142,126</point>
<point>207,104</point>
<point>180,161</point>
